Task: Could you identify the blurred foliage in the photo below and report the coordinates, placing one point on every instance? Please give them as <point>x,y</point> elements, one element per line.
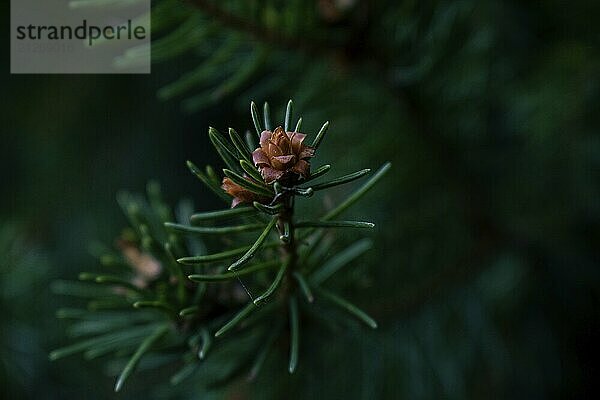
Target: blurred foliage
<point>486,279</point>
<point>23,304</point>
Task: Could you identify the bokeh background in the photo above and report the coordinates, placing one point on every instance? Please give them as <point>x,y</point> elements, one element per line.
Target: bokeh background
<point>485,274</point>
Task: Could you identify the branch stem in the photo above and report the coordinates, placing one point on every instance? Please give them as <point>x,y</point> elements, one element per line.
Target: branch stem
<point>289,248</point>
<point>259,32</point>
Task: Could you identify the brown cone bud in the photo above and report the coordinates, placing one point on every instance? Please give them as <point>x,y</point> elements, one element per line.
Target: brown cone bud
<point>282,154</point>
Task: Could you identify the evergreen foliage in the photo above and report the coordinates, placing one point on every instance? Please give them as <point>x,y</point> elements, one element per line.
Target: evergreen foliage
<point>483,274</point>
<point>144,308</point>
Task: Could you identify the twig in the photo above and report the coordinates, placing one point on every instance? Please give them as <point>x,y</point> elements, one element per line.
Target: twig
<point>258,32</point>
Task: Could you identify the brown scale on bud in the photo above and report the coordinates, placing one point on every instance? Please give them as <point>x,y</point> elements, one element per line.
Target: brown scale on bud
<point>239,194</point>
